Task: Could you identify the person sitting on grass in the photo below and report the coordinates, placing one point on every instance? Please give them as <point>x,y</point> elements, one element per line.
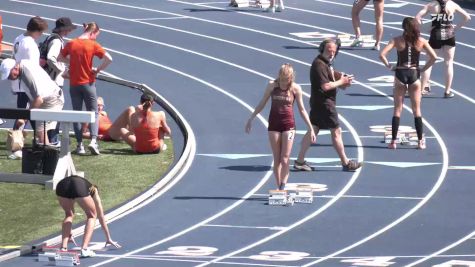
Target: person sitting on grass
<point>77,189</point>
<point>104,122</point>
<point>146,127</point>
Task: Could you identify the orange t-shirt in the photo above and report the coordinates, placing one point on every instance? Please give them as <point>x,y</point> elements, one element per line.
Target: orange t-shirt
<point>81,53</point>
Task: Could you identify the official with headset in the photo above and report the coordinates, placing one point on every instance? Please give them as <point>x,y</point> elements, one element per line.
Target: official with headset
<point>323,114</point>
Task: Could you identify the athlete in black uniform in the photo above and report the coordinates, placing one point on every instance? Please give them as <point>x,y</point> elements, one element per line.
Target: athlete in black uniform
<point>409,46</point>
<point>442,37</point>
<point>77,189</point>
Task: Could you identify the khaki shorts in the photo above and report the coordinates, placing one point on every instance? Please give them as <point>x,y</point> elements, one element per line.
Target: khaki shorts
<point>56,103</point>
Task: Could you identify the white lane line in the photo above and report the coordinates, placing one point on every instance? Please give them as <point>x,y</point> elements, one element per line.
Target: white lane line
<point>352,130</point>
<point>385,11</point>
<point>442,250</point>
<point>466,168</point>
<point>169,18</point>
<point>273,228</point>
<point>382,137</point>
<point>312,44</point>
<point>437,185</point>
<point>356,196</point>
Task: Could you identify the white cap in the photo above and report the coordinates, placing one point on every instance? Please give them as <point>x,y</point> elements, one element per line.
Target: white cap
<point>6,67</point>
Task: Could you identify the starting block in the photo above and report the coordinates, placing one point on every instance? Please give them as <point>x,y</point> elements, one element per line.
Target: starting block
<point>60,258</point>
<point>252,3</point>
<point>282,198</point>
<point>403,137</point>
<point>278,197</point>
<point>347,41</point>
<point>67,258</point>
<point>304,195</point>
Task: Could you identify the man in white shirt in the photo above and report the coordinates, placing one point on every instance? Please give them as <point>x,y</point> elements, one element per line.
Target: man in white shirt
<point>55,43</point>
<point>25,47</point>
<point>42,92</point>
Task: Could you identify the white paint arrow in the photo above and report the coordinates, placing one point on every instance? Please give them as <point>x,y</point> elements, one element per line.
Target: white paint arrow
<point>235,156</point>
<point>403,164</point>
<point>367,107</point>
<point>312,35</point>
<point>467,168</point>
<point>395,5</point>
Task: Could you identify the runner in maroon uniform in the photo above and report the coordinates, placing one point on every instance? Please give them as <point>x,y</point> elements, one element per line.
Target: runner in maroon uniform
<point>283,91</point>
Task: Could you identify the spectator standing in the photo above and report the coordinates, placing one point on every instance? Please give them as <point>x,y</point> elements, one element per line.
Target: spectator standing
<point>283,92</point>
<point>42,92</point>
<point>79,53</point>
<point>55,43</point>
<point>25,47</point>
<point>323,114</point>
<point>442,38</point>
<point>358,6</point>
<point>407,73</point>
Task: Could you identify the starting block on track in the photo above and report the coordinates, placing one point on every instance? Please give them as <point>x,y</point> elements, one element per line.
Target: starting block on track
<point>304,195</point>
<point>251,3</point>
<point>60,258</point>
<point>278,197</point>
<point>282,198</point>
<point>407,137</point>
<point>347,41</point>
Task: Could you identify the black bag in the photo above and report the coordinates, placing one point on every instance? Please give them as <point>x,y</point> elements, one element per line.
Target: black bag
<point>39,160</point>
<point>31,161</point>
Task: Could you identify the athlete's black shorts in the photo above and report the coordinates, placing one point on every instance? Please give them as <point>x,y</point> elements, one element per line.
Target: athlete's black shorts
<point>74,187</point>
<point>408,76</point>
<point>437,44</point>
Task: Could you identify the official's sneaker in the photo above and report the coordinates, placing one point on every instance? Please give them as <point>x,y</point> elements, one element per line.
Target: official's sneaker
<point>271,10</point>
<point>351,166</point>
<point>80,150</point>
<point>94,148</point>
<point>302,166</point>
<point>87,253</point>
